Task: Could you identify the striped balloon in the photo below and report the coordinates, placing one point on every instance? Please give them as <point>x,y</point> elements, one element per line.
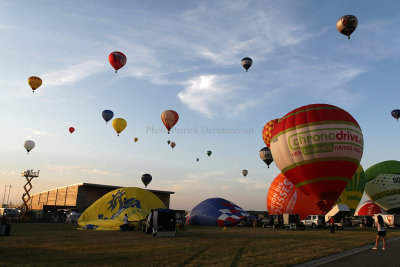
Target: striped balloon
<point>352,194</point>
<point>318,147</point>
<point>267,131</point>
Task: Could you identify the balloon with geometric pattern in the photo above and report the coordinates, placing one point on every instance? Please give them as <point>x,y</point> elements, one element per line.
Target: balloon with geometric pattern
<point>267,131</point>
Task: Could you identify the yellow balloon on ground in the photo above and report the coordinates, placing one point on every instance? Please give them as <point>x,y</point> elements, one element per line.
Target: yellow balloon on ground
<point>119,125</point>
<point>34,82</point>
<point>108,211</point>
<point>354,190</point>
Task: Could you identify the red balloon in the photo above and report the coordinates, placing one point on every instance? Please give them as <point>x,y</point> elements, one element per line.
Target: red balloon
<point>169,118</point>
<point>71,129</point>
<point>267,131</point>
<point>117,60</point>
<point>318,147</point>
<point>172,145</point>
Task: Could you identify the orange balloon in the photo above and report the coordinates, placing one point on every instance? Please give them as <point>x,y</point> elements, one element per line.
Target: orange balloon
<point>267,130</point>
<point>284,197</point>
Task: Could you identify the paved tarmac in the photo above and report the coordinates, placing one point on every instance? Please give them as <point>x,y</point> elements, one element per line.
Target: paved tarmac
<point>363,256</point>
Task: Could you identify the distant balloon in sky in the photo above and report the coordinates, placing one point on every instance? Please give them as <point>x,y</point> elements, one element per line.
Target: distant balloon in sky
<point>246,63</point>
<point>119,125</point>
<point>107,115</point>
<point>318,148</point>
<point>117,60</point>
<point>245,172</point>
<point>209,152</point>
<point>34,82</point>
<point>266,155</point>
<point>71,129</point>
<point>169,118</point>
<point>197,159</point>
<point>396,114</point>
<point>347,24</point>
<point>135,139</point>
<point>29,145</point>
<point>169,142</point>
<point>173,145</point>
<point>146,179</point>
<point>383,185</point>
<point>267,131</point>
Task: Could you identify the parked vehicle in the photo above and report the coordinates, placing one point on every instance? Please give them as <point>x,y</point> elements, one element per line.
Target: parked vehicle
<point>11,213</point>
<point>292,221</point>
<point>273,220</point>
<point>362,221</point>
<point>339,213</point>
<point>314,221</point>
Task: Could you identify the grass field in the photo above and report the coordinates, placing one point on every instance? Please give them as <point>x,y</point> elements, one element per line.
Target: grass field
<point>63,245</point>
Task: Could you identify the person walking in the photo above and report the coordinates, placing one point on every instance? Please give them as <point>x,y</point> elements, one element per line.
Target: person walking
<point>381,233</point>
<point>126,223</point>
<point>332,223</point>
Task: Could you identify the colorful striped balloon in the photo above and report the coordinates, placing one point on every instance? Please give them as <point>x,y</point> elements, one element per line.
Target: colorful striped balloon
<point>267,131</point>
<point>318,147</point>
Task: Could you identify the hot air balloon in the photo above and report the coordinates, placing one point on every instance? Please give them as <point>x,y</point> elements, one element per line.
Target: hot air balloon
<point>246,63</point>
<point>173,145</point>
<point>209,152</point>
<point>369,208</point>
<point>117,60</point>
<point>197,159</point>
<point>168,142</point>
<point>352,194</point>
<point>29,145</point>
<point>135,139</point>
<point>245,172</point>
<point>347,24</point>
<point>169,118</point>
<point>266,156</point>
<point>267,131</point>
<point>71,129</point>
<point>146,179</point>
<point>318,148</point>
<point>119,125</point>
<point>383,185</point>
<point>396,114</point>
<point>107,115</point>
<point>284,197</point>
<point>216,212</point>
<point>34,82</point>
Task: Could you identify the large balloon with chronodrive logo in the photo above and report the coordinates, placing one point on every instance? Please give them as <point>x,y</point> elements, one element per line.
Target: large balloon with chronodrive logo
<point>352,194</point>
<point>318,148</point>
<point>383,185</point>
<point>284,197</point>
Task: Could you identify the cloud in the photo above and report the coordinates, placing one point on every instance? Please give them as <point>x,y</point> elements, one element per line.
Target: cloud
<point>73,73</point>
<point>64,168</point>
<point>252,184</point>
<point>209,94</point>
<point>38,133</point>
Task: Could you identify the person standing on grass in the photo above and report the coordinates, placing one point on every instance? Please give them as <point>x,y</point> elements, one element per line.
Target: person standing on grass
<point>332,223</point>
<point>381,233</point>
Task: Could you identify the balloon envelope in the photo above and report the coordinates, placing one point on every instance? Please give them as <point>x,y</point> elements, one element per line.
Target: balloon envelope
<point>347,24</point>
<point>267,131</point>
<point>246,63</point>
<point>284,197</point>
<point>169,118</point>
<point>173,145</point>
<point>119,125</point>
<point>209,153</point>
<point>245,172</point>
<point>29,145</point>
<point>318,148</point>
<point>71,129</point>
<point>107,115</point>
<point>396,114</point>
<point>135,139</point>
<point>216,212</point>
<point>34,82</point>
<point>354,190</point>
<point>146,179</point>
<point>369,208</point>
<point>117,60</point>
<point>108,211</point>
<point>383,185</point>
<point>266,155</point>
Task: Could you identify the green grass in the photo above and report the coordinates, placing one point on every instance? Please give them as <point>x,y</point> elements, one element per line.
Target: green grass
<point>62,245</point>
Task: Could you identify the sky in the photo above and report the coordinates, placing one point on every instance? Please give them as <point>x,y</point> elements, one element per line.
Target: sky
<point>185,56</point>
